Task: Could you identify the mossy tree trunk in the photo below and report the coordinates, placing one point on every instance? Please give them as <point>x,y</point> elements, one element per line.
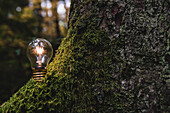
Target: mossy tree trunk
<point>112,60</point>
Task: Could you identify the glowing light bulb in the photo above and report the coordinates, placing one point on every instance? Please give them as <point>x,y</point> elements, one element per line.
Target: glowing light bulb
<point>39,52</point>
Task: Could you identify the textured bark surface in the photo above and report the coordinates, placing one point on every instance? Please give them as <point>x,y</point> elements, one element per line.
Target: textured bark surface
<point>114,59</point>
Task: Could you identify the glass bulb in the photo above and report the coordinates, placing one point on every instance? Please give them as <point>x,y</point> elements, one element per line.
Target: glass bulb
<point>39,52</point>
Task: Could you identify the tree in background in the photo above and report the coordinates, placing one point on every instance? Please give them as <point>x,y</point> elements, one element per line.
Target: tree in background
<point>21,21</point>
<point>52,19</point>
<point>16,26</point>
<point>113,59</point>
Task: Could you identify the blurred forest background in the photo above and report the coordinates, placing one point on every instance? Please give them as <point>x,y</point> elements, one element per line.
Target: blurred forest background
<point>21,21</point>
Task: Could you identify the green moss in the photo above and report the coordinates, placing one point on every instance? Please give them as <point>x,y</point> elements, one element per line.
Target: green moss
<point>77,80</point>
<point>88,75</point>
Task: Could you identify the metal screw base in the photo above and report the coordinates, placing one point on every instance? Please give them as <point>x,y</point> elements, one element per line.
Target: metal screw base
<point>38,74</point>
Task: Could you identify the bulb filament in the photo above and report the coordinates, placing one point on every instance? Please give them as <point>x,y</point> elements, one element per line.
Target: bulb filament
<point>39,50</point>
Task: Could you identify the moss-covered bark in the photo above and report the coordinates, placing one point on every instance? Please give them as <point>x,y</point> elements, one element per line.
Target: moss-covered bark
<point>112,60</point>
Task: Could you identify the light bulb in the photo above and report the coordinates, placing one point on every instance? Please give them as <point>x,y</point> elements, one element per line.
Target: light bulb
<point>39,52</point>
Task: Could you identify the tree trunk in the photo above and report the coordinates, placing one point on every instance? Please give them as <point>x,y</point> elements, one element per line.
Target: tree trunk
<point>112,60</point>
<point>37,12</point>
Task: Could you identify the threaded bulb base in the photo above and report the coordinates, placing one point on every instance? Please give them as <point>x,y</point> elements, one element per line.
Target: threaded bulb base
<point>38,74</point>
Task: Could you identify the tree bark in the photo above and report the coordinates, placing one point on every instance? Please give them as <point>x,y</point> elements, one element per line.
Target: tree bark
<point>113,60</point>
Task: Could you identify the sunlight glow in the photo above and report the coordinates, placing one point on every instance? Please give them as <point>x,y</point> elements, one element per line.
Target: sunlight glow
<point>10,15</point>
<point>18,9</point>
<point>49,5</point>
<point>43,4</point>
<point>60,8</point>
<point>46,4</point>
<point>30,4</point>
<point>44,29</point>
<point>68,2</point>
<point>50,13</point>
<point>43,13</point>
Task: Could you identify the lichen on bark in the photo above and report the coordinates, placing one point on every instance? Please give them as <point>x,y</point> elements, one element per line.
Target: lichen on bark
<point>107,62</point>
<point>78,79</point>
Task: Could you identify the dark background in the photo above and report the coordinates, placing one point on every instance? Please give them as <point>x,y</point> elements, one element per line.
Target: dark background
<point>21,21</point>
